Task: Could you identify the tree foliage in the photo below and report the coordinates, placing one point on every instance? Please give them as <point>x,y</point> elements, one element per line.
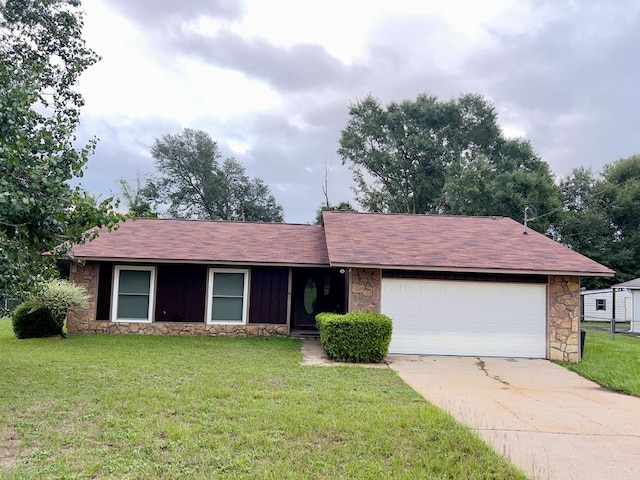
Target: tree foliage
<point>193,183</point>
<point>504,185</point>
<point>42,54</point>
<point>600,217</point>
<point>138,195</point>
<point>343,206</point>
<point>429,156</point>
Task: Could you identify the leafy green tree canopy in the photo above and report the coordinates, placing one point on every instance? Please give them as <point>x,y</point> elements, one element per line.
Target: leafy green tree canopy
<point>194,184</point>
<point>42,54</point>
<point>431,156</point>
<point>600,217</point>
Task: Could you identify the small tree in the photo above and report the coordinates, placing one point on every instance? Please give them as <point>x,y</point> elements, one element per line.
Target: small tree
<point>138,196</point>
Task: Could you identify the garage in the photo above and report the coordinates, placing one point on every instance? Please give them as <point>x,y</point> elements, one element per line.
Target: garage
<point>493,319</point>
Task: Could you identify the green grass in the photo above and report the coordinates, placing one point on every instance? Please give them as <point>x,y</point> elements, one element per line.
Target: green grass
<point>109,406</point>
<point>611,363</point>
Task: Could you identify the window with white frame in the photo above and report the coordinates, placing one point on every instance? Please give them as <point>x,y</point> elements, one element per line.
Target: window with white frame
<point>133,293</point>
<point>227,295</point>
<point>601,304</point>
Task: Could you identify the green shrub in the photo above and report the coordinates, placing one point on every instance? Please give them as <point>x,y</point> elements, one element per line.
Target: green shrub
<point>31,320</point>
<point>356,336</point>
<point>44,314</point>
<point>59,295</point>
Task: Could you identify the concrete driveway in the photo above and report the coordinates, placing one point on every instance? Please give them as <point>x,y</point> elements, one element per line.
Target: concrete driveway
<point>551,423</point>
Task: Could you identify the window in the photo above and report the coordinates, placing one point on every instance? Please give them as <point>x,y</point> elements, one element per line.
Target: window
<point>310,296</point>
<point>133,293</point>
<point>601,304</point>
<point>227,293</point>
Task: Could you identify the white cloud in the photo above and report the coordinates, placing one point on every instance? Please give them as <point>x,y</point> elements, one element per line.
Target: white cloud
<point>271,81</point>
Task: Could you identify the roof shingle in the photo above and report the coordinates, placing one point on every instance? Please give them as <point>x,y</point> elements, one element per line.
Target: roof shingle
<point>448,243</point>
<point>206,241</point>
<point>424,242</point>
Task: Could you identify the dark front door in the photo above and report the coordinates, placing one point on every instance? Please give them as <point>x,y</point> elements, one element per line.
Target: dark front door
<point>315,291</point>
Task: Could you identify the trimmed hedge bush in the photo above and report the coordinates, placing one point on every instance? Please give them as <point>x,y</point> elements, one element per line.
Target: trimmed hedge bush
<point>355,336</point>
<point>31,320</point>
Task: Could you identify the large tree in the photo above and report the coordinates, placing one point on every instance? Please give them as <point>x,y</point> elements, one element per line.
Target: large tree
<point>193,183</point>
<point>431,156</point>
<point>42,54</point>
<point>600,216</point>
<point>513,179</point>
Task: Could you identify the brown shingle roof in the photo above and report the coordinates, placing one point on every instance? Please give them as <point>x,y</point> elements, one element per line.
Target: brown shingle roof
<point>204,241</point>
<point>424,242</point>
<point>440,242</point>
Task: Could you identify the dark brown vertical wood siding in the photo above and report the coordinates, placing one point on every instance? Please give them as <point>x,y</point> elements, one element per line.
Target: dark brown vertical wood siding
<point>268,295</point>
<point>105,280</point>
<point>181,292</point>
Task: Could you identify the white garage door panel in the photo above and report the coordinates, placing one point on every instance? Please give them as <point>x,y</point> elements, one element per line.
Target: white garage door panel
<point>466,318</point>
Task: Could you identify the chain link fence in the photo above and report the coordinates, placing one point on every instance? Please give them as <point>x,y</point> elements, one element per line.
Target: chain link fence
<point>7,305</point>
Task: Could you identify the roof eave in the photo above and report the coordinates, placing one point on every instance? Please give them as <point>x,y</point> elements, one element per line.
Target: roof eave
<point>197,262</point>
<point>474,270</point>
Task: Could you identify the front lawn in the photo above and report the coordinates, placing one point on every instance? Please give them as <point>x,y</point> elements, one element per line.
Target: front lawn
<point>611,363</point>
<point>108,406</point>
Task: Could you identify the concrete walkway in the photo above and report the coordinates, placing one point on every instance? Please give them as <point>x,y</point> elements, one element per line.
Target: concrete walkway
<point>313,354</point>
<point>551,423</point>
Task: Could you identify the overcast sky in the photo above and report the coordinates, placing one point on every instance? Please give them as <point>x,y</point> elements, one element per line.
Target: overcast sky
<point>271,81</point>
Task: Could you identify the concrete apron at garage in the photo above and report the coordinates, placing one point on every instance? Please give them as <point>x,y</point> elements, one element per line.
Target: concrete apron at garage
<point>551,423</point>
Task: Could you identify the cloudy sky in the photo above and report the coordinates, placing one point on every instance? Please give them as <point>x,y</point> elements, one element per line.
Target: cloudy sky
<point>271,81</point>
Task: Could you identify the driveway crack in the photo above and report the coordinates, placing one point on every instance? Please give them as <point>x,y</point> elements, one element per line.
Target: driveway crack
<point>483,367</point>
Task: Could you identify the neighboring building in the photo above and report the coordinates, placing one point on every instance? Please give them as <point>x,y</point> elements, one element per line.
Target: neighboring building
<point>453,285</point>
<point>597,305</point>
<point>634,287</point>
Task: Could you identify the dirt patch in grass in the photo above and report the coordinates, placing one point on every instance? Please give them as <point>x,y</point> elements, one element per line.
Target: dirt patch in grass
<point>9,453</point>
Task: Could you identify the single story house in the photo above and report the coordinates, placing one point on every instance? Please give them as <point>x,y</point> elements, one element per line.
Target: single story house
<point>633,286</point>
<point>453,285</point>
<point>597,305</point>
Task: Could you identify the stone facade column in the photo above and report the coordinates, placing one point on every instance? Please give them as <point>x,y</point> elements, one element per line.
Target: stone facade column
<point>564,318</point>
<point>366,284</point>
<point>84,274</point>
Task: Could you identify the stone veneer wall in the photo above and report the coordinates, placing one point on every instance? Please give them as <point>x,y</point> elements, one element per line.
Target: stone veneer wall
<point>181,328</point>
<point>564,318</point>
<point>85,275</point>
<point>83,320</point>
<point>365,290</point>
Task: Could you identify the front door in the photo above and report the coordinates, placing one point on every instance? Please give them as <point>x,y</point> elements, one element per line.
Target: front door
<point>315,291</point>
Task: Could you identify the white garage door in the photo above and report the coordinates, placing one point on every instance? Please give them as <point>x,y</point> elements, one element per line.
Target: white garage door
<point>466,318</point>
